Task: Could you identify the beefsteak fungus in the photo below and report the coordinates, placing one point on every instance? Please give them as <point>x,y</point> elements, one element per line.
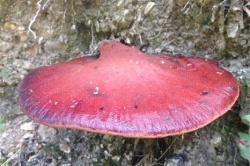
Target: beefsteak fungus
<point>128,93</point>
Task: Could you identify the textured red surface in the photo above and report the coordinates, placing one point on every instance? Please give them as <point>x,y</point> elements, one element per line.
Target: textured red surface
<point>126,92</point>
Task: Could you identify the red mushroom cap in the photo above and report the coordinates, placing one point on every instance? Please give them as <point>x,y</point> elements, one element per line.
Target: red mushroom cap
<point>128,93</point>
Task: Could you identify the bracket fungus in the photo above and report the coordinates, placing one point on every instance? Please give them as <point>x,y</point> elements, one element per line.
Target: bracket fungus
<point>129,93</point>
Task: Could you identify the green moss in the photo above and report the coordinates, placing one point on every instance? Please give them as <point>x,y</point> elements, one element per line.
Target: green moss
<point>5,72</point>
<point>155,42</point>
<point>3,161</point>
<point>52,150</point>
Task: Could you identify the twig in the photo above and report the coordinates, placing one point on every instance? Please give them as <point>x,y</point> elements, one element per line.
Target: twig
<point>6,162</point>
<point>37,12</point>
<point>165,151</point>
<point>64,15</point>
<point>185,6</point>
<point>235,153</point>
<point>34,19</point>
<point>92,46</point>
<point>45,4</point>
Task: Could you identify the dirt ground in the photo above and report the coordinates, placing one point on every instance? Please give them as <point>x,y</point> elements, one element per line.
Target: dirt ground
<point>43,32</point>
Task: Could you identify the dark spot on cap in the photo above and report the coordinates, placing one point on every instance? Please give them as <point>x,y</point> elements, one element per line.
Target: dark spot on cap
<point>204,92</point>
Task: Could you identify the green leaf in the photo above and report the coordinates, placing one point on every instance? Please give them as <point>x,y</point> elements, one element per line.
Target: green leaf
<point>1,120</point>
<point>246,117</point>
<point>244,144</point>
<point>244,136</point>
<point>248,3</point>
<point>244,152</point>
